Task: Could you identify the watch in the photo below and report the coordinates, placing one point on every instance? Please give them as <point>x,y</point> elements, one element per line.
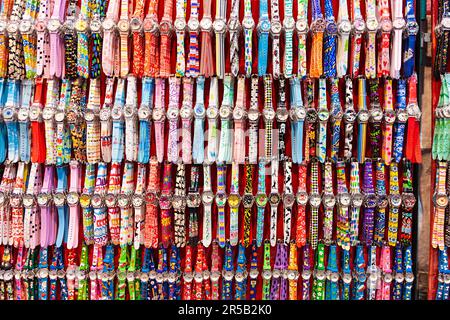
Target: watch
<point>220,29</point>
<point>248,25</point>
<point>225,112</point>
<point>329,201</point>
<point>234,200</point>
<point>263,29</point>
<point>297,115</point>
<point>199,111</point>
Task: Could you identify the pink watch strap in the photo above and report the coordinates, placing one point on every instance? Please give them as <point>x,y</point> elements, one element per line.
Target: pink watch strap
<point>47,188</point>
<point>74,210</point>
<point>56,42</point>
<point>159,125</point>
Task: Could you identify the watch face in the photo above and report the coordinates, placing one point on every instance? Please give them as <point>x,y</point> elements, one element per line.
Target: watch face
<point>328,200</point>
<point>344,199</point>
<point>323,115</point>
<point>219,26</point>
<point>96,200</point>
<point>95,25</point>
<point>408,200</point>
<point>165,27</point>
<point>372,24</point>
<point>399,23</point>
<point>350,115</point>
<point>441,200</point>
<point>288,200</point>
<point>129,111</point>
<point>344,27</point>
<point>396,200</point>
<point>318,25</point>
<point>43,199</point>
<point>193,25</point>
<point>81,25</point>
<point>193,200</point>
<point>376,115</point>
<point>22,115</point>
<point>180,24</point>
<point>40,26</point>
<point>158,114</point>
<point>363,116</point>
<point>108,24</point>
<point>371,200</point>
<point>445,22</point>
<point>413,110</point>
<point>58,199</point>
<point>221,199</point>
<point>225,112</point>
<point>25,26</point>
<point>12,27</point>
<point>144,113</point>
<point>239,113</point>
<point>178,202</point>
<point>206,24</point>
<point>152,198</point>
<point>386,25</point>
<point>301,25</point>
<point>300,113</point>
<point>268,114</point>
<point>8,113</point>
<point>72,198</point>
<point>116,113</point>
<point>135,24</point>
<point>150,25</point>
<point>85,200</point>
<point>302,197</point>
<point>247,200</point>
<point>165,202</point>
<point>207,197</point>
<point>289,24</point>
<point>110,200</point>
<point>186,112</point>
<point>35,113</point>
<point>331,28</point>
<point>275,28</point>
<point>253,114</point>
<point>123,200</point>
<point>105,114</point>
<point>282,114</point>
<point>89,116</point>
<point>311,115</point>
<point>212,112</point>
<point>172,113</point>
<point>402,115</point>
<point>357,199</point>
<point>248,23</point>
<point>233,200</point>
<point>27,200</point>
<point>274,199</point>
<point>261,200</point>
<point>359,25</point>
<point>199,111</point>
<point>315,200</point>
<point>264,26</point>
<point>389,116</point>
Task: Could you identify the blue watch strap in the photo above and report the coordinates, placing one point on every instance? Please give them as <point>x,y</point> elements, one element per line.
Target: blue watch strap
<point>62,183</point>
<point>263,48</point>
<point>399,127</point>
<point>330,41</point>
<point>148,87</point>
<point>332,286</point>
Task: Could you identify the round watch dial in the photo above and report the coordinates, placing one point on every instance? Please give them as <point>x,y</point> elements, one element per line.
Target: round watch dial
<point>288,200</point>
<point>376,115</point>
<point>264,26</point>
<point>371,200</point>
<point>289,23</point>
<point>144,113</point>
<point>372,24</point>
<point>274,199</point>
<point>12,27</point>
<point>389,116</point>
<point>282,114</point>
<point>386,25</point>
<point>221,199</point>
<point>344,27</point>
<point>150,25</point>
<point>158,114</point>
<point>22,115</point>
<point>359,25</point>
<point>357,199</point>
<point>85,200</point>
<point>58,199</point>
<point>248,23</point>
<point>105,114</point>
<point>233,200</point>
<point>206,24</point>
<point>302,197</point>
<point>329,200</point>
<point>172,113</point>
<point>323,115</point>
<point>225,112</point>
<point>261,199</point>
<point>95,25</point>
<point>207,197</point>
<point>193,25</point>
<point>363,116</point>
<point>402,115</point>
<point>180,25</point>
<point>72,198</point>
<point>268,114</point>
<point>396,200</point>
<point>331,27</point>
<point>253,114</point>
<point>238,113</point>
<point>301,25</point>
<point>25,26</point>
<point>350,115</point>
<point>344,199</point>
<point>275,28</point>
<point>247,200</point>
<point>219,26</point>
<point>108,24</point>
<point>399,23</point>
<point>186,112</point>
<point>212,112</point>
